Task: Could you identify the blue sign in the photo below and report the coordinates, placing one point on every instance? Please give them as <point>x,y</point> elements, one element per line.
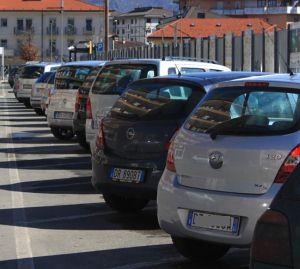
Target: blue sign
<point>100,47</point>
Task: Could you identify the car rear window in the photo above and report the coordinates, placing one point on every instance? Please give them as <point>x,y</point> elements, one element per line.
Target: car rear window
<point>191,70</point>
<point>71,77</point>
<point>31,72</point>
<point>87,84</point>
<point>51,78</point>
<point>43,78</point>
<point>148,100</point>
<point>113,79</point>
<point>247,111</point>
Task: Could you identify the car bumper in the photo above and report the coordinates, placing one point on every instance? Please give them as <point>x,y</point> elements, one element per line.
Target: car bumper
<point>61,123</point>
<point>146,189</point>
<point>22,94</point>
<point>175,201</point>
<point>258,265</point>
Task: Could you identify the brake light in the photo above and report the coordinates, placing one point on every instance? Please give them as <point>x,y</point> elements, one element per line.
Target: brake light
<point>100,142</point>
<point>170,165</point>
<point>257,84</point>
<point>77,103</point>
<point>271,241</point>
<point>89,114</point>
<point>288,166</point>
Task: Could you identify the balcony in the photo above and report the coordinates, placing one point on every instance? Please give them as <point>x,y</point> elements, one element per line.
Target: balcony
<point>52,30</point>
<point>86,31</point>
<point>258,10</point>
<point>18,31</point>
<point>70,30</point>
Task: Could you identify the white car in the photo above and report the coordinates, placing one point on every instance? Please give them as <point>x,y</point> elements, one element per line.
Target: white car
<point>227,163</point>
<point>37,90</point>
<point>114,77</point>
<point>27,78</point>
<point>46,93</point>
<point>61,109</point>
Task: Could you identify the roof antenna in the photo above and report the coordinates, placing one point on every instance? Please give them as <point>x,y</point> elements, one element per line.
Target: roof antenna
<point>289,70</point>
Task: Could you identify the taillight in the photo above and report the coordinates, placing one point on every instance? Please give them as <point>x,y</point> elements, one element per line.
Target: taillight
<point>271,242</point>
<point>100,142</point>
<point>77,103</point>
<point>288,166</point>
<point>89,114</point>
<point>170,165</point>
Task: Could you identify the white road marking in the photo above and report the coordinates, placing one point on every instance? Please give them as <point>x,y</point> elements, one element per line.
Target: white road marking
<point>21,234</point>
<point>51,165</point>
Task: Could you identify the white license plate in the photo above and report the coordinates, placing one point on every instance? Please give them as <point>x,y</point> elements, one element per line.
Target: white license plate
<point>63,115</point>
<point>202,220</point>
<point>127,175</point>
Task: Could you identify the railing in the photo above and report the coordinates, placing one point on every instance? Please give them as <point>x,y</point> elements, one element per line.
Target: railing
<point>70,30</point>
<point>52,30</point>
<point>88,31</point>
<point>18,31</point>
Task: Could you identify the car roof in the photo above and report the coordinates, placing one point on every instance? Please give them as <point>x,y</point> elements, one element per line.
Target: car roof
<point>171,62</point>
<point>274,80</point>
<point>204,78</point>
<point>42,64</point>
<point>85,63</point>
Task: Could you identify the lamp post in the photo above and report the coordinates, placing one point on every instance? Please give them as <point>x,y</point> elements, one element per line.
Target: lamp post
<point>51,36</point>
<point>62,31</point>
<point>106,43</point>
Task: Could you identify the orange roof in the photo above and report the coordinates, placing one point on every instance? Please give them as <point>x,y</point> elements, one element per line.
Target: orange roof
<point>47,5</point>
<point>196,28</point>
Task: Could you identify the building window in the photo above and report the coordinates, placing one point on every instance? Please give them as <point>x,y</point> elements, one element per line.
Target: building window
<point>135,21</point>
<point>118,31</point>
<point>20,24</point>
<point>148,20</point>
<point>131,31</point>
<point>272,3</point>
<point>132,21</point>
<point>89,25</point>
<point>128,26</point>
<point>261,3</point>
<point>201,15</point>
<point>123,31</point>
<point>3,43</point>
<point>52,23</point>
<point>3,22</point>
<point>123,21</point>
<point>128,36</point>
<point>71,22</point>
<point>28,24</point>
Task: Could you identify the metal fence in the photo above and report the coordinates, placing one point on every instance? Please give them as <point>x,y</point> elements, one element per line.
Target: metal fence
<point>274,50</point>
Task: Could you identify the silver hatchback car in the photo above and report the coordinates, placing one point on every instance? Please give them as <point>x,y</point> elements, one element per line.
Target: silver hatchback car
<point>228,162</point>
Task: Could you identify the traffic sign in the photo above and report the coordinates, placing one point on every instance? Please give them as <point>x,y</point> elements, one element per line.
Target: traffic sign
<point>100,47</point>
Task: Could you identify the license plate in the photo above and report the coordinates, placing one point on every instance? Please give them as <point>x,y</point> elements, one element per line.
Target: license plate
<point>127,175</point>
<point>63,115</point>
<point>202,220</point>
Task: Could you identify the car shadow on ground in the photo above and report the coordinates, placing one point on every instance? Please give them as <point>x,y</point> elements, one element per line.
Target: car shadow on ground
<point>74,185</point>
<point>35,139</point>
<point>143,257</point>
<point>11,119</point>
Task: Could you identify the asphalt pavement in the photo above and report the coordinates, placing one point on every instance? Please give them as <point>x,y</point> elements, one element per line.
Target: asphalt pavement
<point>51,218</point>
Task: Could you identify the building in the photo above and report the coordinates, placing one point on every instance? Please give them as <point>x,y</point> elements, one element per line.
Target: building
<point>49,26</point>
<point>279,12</point>
<point>187,29</point>
<point>138,23</point>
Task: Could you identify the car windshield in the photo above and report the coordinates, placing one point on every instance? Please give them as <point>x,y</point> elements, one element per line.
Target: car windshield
<point>246,111</point>
<point>31,72</point>
<point>87,84</point>
<point>43,78</point>
<point>71,77</point>
<point>148,100</point>
<point>113,79</point>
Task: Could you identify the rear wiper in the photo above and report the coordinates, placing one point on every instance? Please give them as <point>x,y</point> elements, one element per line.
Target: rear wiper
<point>238,124</point>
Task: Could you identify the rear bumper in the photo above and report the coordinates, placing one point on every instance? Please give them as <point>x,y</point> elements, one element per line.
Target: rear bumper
<point>103,183</point>
<point>175,201</point>
<point>24,94</point>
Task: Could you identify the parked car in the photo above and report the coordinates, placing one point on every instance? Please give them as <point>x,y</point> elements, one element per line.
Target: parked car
<point>36,92</point>
<point>46,93</point>
<point>114,77</point>
<point>69,78</point>
<point>276,239</point>
<point>79,117</point>
<point>228,162</point>
<point>132,143</point>
<point>27,77</point>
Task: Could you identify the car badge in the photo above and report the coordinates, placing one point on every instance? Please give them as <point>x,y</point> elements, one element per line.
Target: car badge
<point>216,160</point>
<point>130,134</point>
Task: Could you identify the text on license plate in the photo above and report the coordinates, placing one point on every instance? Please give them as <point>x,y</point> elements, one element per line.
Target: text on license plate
<point>63,115</point>
<point>198,219</point>
<point>127,175</point>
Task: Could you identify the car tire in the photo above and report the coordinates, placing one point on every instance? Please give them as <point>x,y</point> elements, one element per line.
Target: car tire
<point>39,111</point>
<point>124,204</point>
<point>197,250</point>
<point>82,141</point>
<point>62,134</point>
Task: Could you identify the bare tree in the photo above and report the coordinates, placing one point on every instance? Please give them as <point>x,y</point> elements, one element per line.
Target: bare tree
<point>28,51</point>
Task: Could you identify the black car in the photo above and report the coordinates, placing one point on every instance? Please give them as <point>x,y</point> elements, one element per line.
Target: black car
<point>79,119</point>
<point>276,240</point>
<point>12,74</point>
<point>132,143</point>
